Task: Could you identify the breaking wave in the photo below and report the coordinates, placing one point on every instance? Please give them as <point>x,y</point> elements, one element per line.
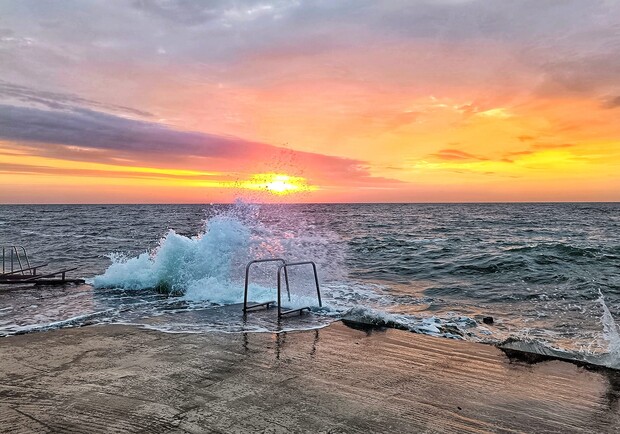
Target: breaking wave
<point>211,265</point>
<point>181,264</point>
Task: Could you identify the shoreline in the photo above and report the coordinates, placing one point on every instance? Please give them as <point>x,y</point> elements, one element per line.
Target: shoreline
<point>334,379</point>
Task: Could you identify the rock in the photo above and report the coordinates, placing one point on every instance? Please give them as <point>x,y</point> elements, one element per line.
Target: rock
<point>487,320</point>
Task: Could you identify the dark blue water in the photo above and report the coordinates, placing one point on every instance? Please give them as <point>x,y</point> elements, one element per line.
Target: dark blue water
<point>537,269</point>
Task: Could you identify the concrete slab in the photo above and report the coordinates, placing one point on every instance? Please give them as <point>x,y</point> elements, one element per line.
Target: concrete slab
<point>336,379</point>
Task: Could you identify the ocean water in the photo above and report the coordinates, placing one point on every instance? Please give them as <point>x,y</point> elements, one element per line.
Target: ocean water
<point>547,273</point>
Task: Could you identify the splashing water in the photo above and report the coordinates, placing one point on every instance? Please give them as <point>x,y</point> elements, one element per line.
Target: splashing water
<point>181,261</point>
<point>611,332</point>
<point>209,266</point>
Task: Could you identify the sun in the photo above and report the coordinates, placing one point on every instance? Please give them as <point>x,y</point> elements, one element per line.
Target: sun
<point>277,183</point>
<point>281,184</point>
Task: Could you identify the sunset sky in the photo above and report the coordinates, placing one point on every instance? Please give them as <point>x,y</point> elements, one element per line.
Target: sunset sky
<point>181,101</point>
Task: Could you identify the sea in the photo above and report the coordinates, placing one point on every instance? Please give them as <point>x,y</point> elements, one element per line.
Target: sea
<point>545,273</point>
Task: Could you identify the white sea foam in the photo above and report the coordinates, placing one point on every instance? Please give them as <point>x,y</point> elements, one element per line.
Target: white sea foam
<point>9,329</point>
<point>454,328</point>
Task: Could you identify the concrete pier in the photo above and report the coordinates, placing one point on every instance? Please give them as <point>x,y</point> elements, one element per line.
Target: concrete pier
<point>336,380</point>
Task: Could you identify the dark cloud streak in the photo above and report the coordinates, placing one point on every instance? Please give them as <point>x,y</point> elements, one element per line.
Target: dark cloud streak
<point>82,134</point>
<point>92,129</point>
<point>56,100</point>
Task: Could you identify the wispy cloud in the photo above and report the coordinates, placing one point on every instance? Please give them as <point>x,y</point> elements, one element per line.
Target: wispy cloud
<point>612,103</point>
<point>456,155</point>
<point>538,147</point>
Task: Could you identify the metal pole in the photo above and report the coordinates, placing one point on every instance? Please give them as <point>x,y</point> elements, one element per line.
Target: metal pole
<point>19,261</point>
<point>279,291</point>
<point>316,280</point>
<point>245,292</point>
<point>26,256</point>
<point>288,289</point>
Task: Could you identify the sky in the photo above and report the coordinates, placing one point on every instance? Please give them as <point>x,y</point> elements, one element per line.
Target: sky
<point>187,101</point>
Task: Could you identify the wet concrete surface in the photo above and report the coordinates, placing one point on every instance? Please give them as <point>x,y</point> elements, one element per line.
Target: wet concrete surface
<point>333,380</point>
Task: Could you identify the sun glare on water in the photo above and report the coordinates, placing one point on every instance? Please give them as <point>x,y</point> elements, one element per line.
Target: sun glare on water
<point>277,183</point>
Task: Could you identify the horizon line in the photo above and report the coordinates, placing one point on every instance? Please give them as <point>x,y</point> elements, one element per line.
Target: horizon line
<point>311,203</point>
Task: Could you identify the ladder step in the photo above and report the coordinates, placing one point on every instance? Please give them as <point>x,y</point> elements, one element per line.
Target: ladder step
<point>267,305</point>
<point>300,310</point>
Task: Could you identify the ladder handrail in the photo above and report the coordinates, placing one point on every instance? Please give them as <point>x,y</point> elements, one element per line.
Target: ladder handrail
<point>295,264</point>
<point>25,256</point>
<point>14,249</point>
<point>247,279</point>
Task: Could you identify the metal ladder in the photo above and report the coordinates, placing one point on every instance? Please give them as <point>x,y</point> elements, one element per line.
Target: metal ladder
<point>12,257</point>
<point>282,268</point>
